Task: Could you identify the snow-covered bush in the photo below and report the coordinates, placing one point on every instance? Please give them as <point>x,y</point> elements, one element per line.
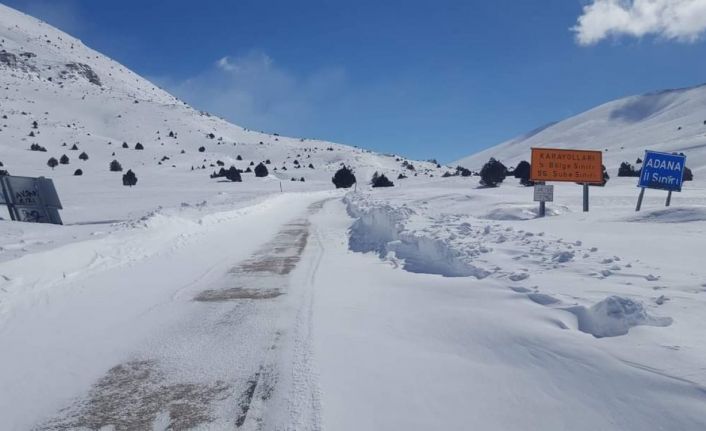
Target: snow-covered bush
<point>52,163</point>
<point>115,166</point>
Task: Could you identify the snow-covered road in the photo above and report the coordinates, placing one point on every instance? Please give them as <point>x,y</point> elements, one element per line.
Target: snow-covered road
<point>263,318</point>
<point>171,323</point>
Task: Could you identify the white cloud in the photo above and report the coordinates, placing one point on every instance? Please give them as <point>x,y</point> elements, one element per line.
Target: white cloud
<point>254,92</point>
<point>680,20</point>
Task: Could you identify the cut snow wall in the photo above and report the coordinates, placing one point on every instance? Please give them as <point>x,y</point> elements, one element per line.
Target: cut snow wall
<point>380,228</point>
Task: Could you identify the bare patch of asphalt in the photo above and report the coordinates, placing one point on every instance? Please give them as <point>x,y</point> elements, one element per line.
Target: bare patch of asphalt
<point>132,395</point>
<point>135,394</point>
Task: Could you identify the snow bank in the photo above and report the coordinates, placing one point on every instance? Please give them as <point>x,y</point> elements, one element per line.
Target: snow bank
<point>382,228</point>
<point>521,212</point>
<point>615,316</point>
<point>672,215</point>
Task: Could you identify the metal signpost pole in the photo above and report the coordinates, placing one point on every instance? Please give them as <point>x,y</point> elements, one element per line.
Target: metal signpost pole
<point>585,197</point>
<point>669,199</point>
<point>639,199</point>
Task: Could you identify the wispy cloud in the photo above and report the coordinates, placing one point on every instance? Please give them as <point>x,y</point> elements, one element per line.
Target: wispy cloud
<point>679,20</point>
<point>252,90</point>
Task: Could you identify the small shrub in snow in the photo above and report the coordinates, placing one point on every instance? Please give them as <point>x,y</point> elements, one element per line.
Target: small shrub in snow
<point>380,180</point>
<point>460,170</point>
<point>115,166</point>
<point>688,175</point>
<point>606,177</point>
<point>78,172</point>
<point>627,170</point>
<point>83,156</point>
<point>202,149</point>
<point>129,179</point>
<point>522,171</point>
<point>37,147</point>
<point>139,146</point>
<point>74,147</point>
<point>125,145</point>
<point>64,160</point>
<point>52,163</point>
<point>401,176</point>
<point>261,170</point>
<point>344,178</point>
<point>233,174</point>
<point>493,173</point>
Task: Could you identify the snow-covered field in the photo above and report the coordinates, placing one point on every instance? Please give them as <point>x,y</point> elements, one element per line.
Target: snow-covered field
<point>430,305</point>
<point>188,302</point>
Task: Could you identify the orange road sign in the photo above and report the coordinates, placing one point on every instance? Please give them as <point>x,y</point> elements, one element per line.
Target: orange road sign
<point>576,166</point>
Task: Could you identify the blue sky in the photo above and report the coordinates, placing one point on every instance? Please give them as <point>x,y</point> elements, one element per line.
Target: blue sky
<point>425,79</point>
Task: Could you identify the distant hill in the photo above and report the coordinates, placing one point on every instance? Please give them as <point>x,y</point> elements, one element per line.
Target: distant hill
<point>670,121</point>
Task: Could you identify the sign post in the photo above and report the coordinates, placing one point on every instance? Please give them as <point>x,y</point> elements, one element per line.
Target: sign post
<point>543,194</point>
<point>662,171</point>
<point>639,199</point>
<point>576,166</point>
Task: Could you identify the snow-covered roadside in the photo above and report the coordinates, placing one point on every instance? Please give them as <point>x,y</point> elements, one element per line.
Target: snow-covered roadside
<point>402,350</point>
<point>625,279</point>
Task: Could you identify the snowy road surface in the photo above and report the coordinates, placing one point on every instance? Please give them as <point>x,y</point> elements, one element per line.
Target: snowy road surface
<point>263,318</point>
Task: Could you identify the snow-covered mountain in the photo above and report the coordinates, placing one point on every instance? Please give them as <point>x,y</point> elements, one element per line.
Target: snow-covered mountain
<point>79,97</point>
<point>670,121</point>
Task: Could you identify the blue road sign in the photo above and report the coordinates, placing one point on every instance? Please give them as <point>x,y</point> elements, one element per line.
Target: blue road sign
<point>662,171</point>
